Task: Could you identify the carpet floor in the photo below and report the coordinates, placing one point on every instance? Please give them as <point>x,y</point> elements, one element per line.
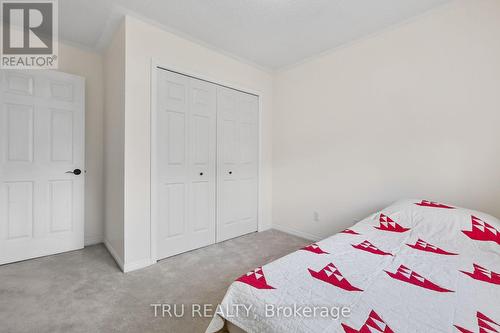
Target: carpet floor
<point>84,291</point>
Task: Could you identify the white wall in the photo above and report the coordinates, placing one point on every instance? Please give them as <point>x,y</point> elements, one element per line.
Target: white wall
<point>144,41</point>
<point>413,112</point>
<point>114,123</point>
<point>88,64</point>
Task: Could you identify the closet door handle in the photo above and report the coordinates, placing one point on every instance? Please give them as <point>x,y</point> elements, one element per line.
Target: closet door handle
<point>230,172</point>
<point>201,173</point>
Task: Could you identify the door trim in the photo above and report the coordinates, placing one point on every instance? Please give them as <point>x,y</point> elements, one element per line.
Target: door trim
<point>156,65</point>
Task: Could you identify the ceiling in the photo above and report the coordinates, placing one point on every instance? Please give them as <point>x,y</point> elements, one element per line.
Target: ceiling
<point>270,33</point>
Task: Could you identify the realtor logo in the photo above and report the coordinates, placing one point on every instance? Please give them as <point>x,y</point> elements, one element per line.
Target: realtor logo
<point>29,34</point>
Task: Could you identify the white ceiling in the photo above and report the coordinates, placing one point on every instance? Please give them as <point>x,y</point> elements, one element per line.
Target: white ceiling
<point>269,33</point>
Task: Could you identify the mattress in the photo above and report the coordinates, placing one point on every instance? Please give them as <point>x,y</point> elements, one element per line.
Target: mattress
<point>415,266</point>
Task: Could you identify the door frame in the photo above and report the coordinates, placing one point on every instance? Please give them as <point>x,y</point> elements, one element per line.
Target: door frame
<point>156,65</point>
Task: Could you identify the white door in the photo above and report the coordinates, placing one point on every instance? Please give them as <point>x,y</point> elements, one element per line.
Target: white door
<point>41,139</point>
<point>184,167</point>
<point>237,163</point>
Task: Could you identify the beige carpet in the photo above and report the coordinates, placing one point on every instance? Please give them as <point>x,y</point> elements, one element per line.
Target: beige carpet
<point>83,291</point>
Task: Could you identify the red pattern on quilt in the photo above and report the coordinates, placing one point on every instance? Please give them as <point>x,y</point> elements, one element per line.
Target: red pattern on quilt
<point>349,231</point>
<point>373,324</point>
<point>482,231</point>
<point>369,247</point>
<point>255,279</point>
<point>433,204</point>
<point>314,248</point>
<point>387,224</point>
<point>485,325</point>
<point>422,245</point>
<point>330,274</point>
<point>463,330</point>
<point>483,274</point>
<point>407,275</point>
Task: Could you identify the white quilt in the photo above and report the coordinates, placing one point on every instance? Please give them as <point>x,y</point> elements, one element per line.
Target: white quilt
<point>416,266</point>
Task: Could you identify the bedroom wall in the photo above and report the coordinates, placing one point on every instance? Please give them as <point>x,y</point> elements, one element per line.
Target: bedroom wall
<point>172,50</point>
<point>114,123</point>
<point>89,64</point>
<point>412,112</point>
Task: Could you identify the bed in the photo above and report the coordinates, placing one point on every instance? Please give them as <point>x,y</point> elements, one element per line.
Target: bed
<point>415,266</point>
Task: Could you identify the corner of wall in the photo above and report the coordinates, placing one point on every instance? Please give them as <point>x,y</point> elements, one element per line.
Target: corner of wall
<point>93,239</point>
<point>114,253</point>
<point>296,232</point>
<point>114,118</point>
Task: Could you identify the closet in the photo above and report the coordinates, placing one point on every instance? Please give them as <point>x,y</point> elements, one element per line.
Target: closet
<point>205,163</point>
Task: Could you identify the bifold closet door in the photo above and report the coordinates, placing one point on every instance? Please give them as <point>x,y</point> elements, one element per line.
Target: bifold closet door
<point>185,165</point>
<point>237,163</point>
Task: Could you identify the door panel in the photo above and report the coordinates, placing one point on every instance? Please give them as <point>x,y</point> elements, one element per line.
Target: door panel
<point>237,115</point>
<point>229,200</point>
<point>176,127</point>
<point>61,131</point>
<point>18,83</point>
<point>62,91</point>
<point>230,143</point>
<point>19,132</point>
<point>201,206</point>
<point>19,209</point>
<point>185,164</point>
<point>201,137</point>
<point>61,205</point>
<point>41,138</point>
<point>247,198</point>
<point>172,158</point>
<point>174,213</point>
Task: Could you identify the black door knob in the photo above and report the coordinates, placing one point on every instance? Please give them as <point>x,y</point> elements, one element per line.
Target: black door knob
<point>201,173</point>
<point>75,172</point>
<point>230,172</point>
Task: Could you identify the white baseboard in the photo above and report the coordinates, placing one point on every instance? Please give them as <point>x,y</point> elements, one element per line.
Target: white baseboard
<point>93,239</point>
<point>264,227</point>
<point>114,254</point>
<point>127,267</point>
<point>297,233</point>
<point>138,265</point>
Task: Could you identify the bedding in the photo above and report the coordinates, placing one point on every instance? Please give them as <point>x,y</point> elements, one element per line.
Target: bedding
<point>415,266</point>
